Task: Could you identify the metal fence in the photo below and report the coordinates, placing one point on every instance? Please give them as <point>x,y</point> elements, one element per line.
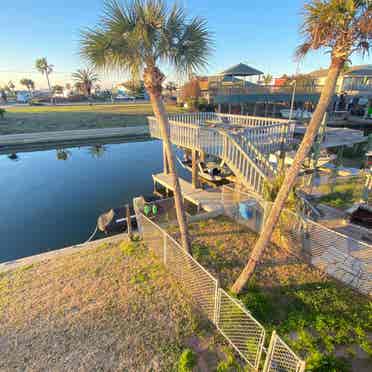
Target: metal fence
<point>245,334</point>
<point>338,255</point>
<point>281,357</point>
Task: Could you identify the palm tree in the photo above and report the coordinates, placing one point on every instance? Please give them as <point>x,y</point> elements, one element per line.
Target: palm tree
<point>341,27</point>
<point>45,68</point>
<point>86,78</point>
<point>63,154</point>
<point>29,84</point>
<point>267,79</point>
<point>136,37</point>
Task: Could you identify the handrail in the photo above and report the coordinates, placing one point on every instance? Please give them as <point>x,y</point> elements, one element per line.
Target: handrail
<point>247,161</point>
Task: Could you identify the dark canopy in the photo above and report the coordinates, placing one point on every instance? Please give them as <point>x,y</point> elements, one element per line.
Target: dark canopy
<point>241,69</point>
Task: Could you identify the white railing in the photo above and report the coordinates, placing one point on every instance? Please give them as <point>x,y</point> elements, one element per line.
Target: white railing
<point>252,169</point>
<point>245,334</point>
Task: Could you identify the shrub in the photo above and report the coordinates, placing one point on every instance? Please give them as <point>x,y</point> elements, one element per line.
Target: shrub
<point>187,361</point>
<point>2,113</point>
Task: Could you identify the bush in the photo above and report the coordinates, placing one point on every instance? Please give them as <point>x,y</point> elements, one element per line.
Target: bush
<point>187,361</point>
<point>2,113</point>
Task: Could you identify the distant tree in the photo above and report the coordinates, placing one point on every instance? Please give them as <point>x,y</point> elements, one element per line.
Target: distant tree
<point>86,77</point>
<point>10,87</point>
<point>68,86</point>
<point>44,68</point>
<point>171,87</point>
<point>79,88</point>
<point>134,87</point>
<point>267,79</point>
<point>2,113</point>
<point>57,89</point>
<point>29,84</point>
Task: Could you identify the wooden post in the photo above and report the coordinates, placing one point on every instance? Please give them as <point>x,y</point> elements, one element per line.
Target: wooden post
<point>194,174</point>
<point>129,224</point>
<point>165,162</point>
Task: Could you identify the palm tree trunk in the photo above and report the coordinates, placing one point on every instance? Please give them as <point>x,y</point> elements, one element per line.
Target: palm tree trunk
<point>153,79</point>
<point>49,87</point>
<point>291,175</point>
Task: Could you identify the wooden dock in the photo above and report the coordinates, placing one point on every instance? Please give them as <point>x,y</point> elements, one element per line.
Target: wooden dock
<point>208,200</point>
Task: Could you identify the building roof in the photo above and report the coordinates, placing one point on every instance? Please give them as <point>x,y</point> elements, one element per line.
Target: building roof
<point>319,73</point>
<point>361,70</point>
<point>241,69</point>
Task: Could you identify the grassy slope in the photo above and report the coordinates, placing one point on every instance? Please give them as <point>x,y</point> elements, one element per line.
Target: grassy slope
<point>319,317</point>
<point>108,308</point>
<point>28,119</point>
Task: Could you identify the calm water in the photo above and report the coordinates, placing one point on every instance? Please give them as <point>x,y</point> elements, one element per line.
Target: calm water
<point>48,203</point>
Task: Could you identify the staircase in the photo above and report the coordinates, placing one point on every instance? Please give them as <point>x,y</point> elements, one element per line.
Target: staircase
<point>242,142</point>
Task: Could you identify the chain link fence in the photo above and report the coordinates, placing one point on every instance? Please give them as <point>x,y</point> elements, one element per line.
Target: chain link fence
<point>280,357</point>
<point>338,255</point>
<point>245,334</point>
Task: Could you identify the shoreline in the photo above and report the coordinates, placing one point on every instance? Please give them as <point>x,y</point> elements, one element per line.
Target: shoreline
<point>56,253</point>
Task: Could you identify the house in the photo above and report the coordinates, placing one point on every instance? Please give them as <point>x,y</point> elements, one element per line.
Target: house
<point>358,80</point>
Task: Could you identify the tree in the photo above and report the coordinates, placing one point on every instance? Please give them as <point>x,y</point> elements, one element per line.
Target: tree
<point>44,68</point>
<point>86,78</point>
<point>171,87</point>
<point>57,89</point>
<point>341,27</point>
<point>79,87</point>
<point>10,87</point>
<point>267,79</point>
<point>135,37</point>
<point>29,84</point>
<point>134,87</point>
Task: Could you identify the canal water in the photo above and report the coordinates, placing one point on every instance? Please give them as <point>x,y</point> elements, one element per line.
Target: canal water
<point>52,199</point>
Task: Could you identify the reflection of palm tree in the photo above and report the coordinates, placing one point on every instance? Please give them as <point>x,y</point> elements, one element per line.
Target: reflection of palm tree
<point>63,154</point>
<point>13,156</point>
<point>97,151</point>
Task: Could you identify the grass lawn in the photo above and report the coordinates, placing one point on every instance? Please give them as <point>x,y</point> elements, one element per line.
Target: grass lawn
<point>108,308</point>
<point>325,322</point>
<point>27,119</point>
<point>343,194</point>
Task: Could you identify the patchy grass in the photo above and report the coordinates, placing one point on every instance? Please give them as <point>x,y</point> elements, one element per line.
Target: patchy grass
<point>342,195</point>
<point>108,308</point>
<point>324,321</point>
<point>27,119</point>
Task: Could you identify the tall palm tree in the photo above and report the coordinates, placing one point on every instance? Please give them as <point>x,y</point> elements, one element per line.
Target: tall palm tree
<point>86,77</point>
<point>341,27</point>
<point>267,79</point>
<point>138,35</point>
<point>44,68</point>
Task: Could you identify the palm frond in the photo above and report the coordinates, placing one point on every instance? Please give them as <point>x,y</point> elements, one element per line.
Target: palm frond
<point>143,32</point>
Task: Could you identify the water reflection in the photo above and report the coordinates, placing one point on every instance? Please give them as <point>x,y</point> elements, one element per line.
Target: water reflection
<point>97,151</point>
<point>54,203</point>
<point>63,154</point>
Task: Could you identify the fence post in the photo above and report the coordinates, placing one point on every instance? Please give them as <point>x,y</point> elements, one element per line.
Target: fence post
<point>165,245</point>
<point>216,303</point>
<point>269,352</point>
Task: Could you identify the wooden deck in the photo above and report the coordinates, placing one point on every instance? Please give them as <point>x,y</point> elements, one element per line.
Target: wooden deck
<point>209,200</point>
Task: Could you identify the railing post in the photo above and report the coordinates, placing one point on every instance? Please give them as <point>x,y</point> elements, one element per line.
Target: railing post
<point>269,352</point>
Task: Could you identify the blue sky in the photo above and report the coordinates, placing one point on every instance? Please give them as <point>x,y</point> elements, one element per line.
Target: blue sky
<point>263,34</point>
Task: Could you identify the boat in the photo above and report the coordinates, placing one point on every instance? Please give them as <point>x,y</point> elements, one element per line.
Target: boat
<point>210,171</point>
<point>296,114</point>
<point>361,215</point>
<point>114,221</point>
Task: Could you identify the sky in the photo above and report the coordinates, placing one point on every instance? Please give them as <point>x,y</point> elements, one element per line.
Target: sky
<point>263,34</point>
